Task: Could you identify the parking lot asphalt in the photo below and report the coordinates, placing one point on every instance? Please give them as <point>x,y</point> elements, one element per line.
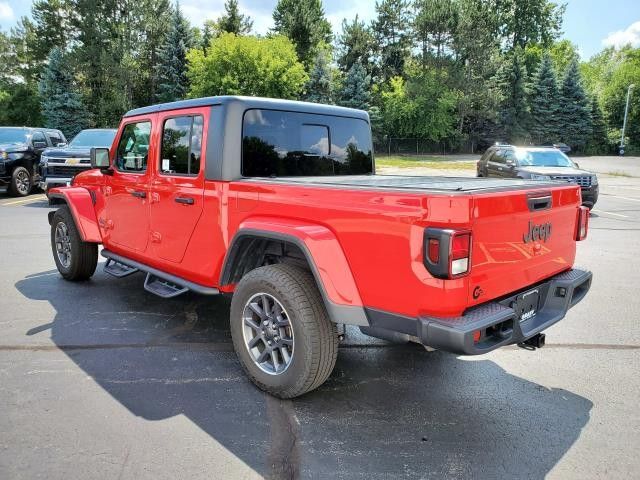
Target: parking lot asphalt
<point>102,380</point>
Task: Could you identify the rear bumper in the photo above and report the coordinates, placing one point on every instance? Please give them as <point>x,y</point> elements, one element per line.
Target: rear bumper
<point>498,323</point>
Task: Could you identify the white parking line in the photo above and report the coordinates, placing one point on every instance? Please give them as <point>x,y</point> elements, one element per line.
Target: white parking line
<point>610,213</point>
<point>622,198</point>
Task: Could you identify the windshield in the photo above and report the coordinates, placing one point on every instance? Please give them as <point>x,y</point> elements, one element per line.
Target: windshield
<point>543,158</point>
<point>13,135</point>
<point>93,138</point>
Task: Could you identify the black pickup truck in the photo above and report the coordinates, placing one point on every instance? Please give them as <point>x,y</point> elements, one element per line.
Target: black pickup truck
<point>59,165</point>
<point>20,151</point>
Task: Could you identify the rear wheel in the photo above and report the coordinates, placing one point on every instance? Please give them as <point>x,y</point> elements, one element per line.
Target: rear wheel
<point>281,331</point>
<point>21,182</point>
<point>75,259</point>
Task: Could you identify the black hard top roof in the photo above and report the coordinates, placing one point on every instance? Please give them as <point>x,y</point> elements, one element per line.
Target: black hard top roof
<point>253,102</point>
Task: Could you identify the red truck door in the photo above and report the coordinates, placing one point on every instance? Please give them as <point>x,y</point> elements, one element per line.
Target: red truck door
<point>177,187</point>
<point>127,206</point>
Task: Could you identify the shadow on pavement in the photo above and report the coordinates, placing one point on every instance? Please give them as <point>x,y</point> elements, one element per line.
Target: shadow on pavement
<point>385,412</point>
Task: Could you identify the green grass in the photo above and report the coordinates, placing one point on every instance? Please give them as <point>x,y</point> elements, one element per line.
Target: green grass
<point>440,163</point>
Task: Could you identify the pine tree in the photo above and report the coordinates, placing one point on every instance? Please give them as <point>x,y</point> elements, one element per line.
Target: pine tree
<point>545,103</point>
<point>355,91</point>
<point>304,22</point>
<point>512,78</point>
<point>319,88</point>
<point>172,67</point>
<point>233,21</point>
<point>355,45</point>
<point>598,142</point>
<point>62,105</point>
<point>575,115</point>
<point>391,31</point>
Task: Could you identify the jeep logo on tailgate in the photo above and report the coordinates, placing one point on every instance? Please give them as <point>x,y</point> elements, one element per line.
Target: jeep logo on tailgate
<point>537,232</point>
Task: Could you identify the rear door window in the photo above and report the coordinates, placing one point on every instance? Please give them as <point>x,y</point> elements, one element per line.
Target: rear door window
<point>181,145</point>
<point>279,143</point>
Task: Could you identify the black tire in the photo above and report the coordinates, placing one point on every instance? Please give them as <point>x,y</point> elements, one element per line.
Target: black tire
<point>315,336</point>
<point>83,256</point>
<point>21,182</point>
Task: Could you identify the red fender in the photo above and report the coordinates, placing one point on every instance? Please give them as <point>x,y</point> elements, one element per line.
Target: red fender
<point>327,260</point>
<point>80,203</point>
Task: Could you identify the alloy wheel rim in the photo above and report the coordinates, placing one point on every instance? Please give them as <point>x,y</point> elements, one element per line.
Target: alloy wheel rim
<point>268,333</point>
<point>63,244</point>
<point>22,182</point>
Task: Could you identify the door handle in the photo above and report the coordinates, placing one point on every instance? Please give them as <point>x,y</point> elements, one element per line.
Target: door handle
<point>138,193</point>
<point>184,200</point>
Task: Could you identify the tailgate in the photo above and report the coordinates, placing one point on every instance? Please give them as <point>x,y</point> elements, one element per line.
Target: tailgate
<point>520,238</point>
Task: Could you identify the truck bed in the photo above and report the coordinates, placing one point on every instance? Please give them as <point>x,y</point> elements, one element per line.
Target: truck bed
<point>403,182</point>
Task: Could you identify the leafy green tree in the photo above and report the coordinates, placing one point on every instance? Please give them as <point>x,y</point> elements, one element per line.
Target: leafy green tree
<point>155,16</point>
<point>356,89</point>
<point>319,88</point>
<point>477,57</point>
<point>62,105</point>
<point>233,65</point>
<point>545,117</point>
<point>514,113</point>
<point>391,30</point>
<point>172,65</point>
<point>418,108</point>
<point>526,22</point>
<point>574,113</point>
<point>623,70</point>
<point>355,45</point>
<point>233,21</point>
<point>305,24</point>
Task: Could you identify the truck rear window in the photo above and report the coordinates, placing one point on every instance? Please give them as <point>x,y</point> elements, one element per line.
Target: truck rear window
<point>288,144</point>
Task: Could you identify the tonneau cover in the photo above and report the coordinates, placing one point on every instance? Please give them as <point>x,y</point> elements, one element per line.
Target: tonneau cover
<point>443,184</point>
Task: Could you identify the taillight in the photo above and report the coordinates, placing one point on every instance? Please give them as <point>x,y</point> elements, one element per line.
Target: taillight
<point>447,253</point>
<point>583,223</point>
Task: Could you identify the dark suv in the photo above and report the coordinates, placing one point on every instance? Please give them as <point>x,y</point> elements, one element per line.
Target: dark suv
<point>58,166</point>
<point>20,151</point>
<point>538,163</point>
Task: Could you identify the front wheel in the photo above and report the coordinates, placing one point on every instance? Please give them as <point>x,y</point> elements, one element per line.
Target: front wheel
<point>21,182</point>
<point>75,258</point>
<point>281,332</point>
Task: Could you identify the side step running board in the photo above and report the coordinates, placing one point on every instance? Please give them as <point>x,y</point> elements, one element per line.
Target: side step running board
<point>162,288</point>
<point>117,269</point>
<point>161,283</point>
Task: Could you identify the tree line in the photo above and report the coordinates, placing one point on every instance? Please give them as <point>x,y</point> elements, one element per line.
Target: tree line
<point>460,73</point>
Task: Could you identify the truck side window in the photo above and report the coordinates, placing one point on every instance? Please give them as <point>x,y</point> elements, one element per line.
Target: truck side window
<point>181,145</point>
<point>133,147</point>
<point>278,143</point>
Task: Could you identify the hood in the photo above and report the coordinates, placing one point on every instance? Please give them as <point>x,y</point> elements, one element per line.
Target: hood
<point>13,147</point>
<point>67,152</point>
<point>554,170</point>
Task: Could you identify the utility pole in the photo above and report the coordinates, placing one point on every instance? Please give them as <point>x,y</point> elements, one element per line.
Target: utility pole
<point>626,114</point>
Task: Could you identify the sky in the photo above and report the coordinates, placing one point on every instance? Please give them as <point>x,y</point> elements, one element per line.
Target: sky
<point>590,24</point>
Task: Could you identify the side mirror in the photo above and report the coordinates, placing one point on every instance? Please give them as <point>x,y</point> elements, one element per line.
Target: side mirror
<point>576,164</point>
<point>99,158</point>
<point>39,144</point>
<point>511,163</point>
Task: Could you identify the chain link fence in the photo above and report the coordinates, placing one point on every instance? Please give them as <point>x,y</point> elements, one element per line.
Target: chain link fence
<point>413,146</point>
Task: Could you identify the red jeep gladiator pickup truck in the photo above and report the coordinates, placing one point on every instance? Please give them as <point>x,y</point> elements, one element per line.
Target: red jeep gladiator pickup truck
<point>277,203</point>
